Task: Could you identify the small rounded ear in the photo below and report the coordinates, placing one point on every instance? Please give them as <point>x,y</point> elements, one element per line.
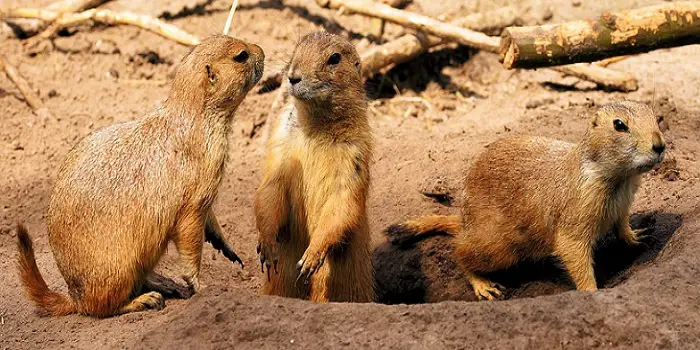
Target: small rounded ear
<point>210,74</point>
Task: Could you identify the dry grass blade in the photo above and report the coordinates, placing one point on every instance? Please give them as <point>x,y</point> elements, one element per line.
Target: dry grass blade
<point>227,27</point>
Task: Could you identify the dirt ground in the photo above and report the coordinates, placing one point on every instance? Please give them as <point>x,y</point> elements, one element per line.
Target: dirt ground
<point>95,77</point>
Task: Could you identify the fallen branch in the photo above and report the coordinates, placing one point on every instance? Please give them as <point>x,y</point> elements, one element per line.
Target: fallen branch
<point>376,27</point>
<point>607,78</point>
<point>608,61</point>
<point>611,34</point>
<point>416,21</point>
<point>68,6</point>
<point>410,46</point>
<point>33,23</point>
<point>30,96</point>
<point>155,25</point>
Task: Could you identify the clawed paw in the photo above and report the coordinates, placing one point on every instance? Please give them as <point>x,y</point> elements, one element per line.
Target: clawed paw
<point>310,262</point>
<point>487,290</point>
<point>635,237</point>
<point>269,257</point>
<point>152,300</point>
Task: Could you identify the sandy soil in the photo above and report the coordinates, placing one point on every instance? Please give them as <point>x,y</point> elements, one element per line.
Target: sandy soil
<point>95,77</point>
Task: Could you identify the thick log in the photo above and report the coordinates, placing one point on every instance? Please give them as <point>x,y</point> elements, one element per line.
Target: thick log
<point>416,21</point>
<point>611,34</point>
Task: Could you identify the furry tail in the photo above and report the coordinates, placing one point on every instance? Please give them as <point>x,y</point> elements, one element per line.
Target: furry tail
<point>417,229</point>
<point>47,301</point>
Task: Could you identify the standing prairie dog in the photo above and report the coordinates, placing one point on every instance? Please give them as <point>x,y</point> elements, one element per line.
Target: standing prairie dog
<point>310,207</point>
<point>532,197</point>
<point>128,189</point>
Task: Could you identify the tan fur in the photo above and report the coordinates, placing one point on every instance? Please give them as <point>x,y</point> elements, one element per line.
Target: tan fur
<point>310,207</point>
<point>128,189</point>
<point>532,197</point>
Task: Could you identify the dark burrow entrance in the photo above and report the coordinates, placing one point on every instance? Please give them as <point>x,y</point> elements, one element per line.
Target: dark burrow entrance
<point>425,271</point>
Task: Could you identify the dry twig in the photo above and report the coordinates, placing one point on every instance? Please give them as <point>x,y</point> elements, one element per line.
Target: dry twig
<point>416,21</point>
<point>155,25</point>
<point>38,22</point>
<point>30,96</point>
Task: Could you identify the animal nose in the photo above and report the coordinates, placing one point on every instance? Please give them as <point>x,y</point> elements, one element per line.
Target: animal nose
<point>659,147</point>
<point>294,80</point>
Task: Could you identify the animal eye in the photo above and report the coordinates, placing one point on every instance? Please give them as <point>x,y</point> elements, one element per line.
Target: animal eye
<point>241,57</point>
<point>334,59</point>
<point>620,125</point>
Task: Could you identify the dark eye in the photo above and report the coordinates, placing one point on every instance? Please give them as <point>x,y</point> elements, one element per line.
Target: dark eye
<point>334,59</point>
<point>241,57</point>
<point>620,125</point>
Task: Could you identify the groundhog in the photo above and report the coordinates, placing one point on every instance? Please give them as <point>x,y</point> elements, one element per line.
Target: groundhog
<point>310,207</point>
<point>533,197</point>
<point>126,190</point>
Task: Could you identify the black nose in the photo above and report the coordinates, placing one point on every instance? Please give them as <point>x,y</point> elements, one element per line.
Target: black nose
<point>294,81</point>
<point>659,147</point>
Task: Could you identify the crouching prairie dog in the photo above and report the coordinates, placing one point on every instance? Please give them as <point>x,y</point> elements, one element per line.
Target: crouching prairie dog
<point>310,207</point>
<point>532,197</point>
<point>128,189</point>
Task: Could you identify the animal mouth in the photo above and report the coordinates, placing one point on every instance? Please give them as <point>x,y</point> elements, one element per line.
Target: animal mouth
<point>258,69</point>
<point>649,163</point>
<point>307,92</point>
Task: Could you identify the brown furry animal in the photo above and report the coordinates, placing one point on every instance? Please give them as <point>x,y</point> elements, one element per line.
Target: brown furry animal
<point>128,189</point>
<point>310,207</point>
<point>531,197</point>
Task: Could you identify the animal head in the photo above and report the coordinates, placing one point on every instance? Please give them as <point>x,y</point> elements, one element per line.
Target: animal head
<point>218,73</point>
<point>325,70</point>
<point>625,136</point>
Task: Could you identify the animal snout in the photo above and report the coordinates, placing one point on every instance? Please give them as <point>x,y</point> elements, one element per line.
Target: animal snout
<point>294,80</point>
<point>659,147</point>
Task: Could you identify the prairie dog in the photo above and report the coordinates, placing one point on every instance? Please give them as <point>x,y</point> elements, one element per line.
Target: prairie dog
<point>532,197</point>
<point>126,190</point>
<point>310,207</point>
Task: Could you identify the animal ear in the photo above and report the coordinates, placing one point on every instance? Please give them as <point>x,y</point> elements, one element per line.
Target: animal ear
<point>210,74</point>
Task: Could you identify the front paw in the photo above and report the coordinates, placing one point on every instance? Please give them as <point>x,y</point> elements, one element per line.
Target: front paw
<point>269,253</point>
<point>310,262</point>
<point>635,237</point>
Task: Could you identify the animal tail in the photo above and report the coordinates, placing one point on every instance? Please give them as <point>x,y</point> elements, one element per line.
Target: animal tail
<point>48,302</point>
<point>426,226</point>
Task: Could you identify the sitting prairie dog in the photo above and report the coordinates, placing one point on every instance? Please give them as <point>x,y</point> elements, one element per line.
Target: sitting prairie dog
<point>532,197</point>
<point>310,207</point>
<point>128,189</point>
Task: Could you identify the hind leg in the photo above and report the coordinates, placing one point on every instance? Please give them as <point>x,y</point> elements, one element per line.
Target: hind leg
<point>479,252</point>
<point>189,241</point>
<point>347,275</point>
<point>147,301</point>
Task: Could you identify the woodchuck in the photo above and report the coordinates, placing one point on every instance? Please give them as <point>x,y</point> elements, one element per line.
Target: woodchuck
<point>533,197</point>
<point>126,190</point>
<point>310,207</point>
